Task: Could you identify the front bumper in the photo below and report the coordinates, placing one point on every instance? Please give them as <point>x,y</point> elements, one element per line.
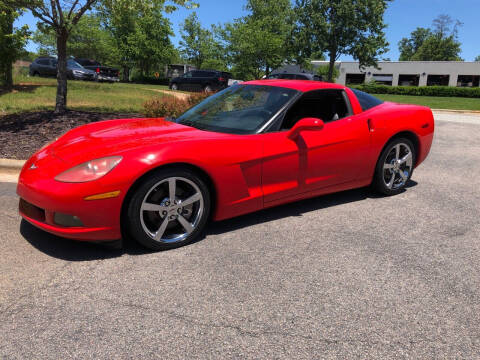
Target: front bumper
<point>88,77</point>
<point>107,78</point>
<point>42,197</point>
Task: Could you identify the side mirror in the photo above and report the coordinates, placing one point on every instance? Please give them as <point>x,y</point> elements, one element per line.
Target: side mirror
<point>306,124</point>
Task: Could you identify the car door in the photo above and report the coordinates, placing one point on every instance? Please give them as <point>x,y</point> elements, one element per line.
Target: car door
<point>199,80</point>
<point>42,66</point>
<point>185,82</point>
<point>281,167</point>
<point>52,67</point>
<point>315,159</point>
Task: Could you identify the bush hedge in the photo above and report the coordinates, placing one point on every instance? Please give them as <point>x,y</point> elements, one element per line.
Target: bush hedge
<point>445,91</point>
<point>169,105</point>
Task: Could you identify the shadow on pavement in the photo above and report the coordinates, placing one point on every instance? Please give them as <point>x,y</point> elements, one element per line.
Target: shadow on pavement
<point>71,250</point>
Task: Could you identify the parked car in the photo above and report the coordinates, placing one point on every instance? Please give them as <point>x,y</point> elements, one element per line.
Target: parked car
<point>104,73</point>
<point>47,66</point>
<point>295,76</point>
<point>78,72</point>
<point>201,80</point>
<point>249,147</point>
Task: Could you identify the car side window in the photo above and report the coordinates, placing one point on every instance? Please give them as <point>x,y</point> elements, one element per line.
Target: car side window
<point>188,75</point>
<point>327,105</point>
<point>43,62</point>
<point>366,101</point>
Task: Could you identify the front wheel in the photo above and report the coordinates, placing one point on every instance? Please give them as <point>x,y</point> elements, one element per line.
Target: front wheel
<point>174,87</point>
<point>395,167</point>
<point>169,209</point>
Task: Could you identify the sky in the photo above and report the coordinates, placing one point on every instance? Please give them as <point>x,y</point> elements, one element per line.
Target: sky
<point>402,17</point>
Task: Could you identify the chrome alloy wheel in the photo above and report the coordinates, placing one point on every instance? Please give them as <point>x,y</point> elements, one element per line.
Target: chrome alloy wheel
<point>171,210</point>
<point>398,166</point>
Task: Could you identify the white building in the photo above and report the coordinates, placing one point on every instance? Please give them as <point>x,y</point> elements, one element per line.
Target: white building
<point>410,73</point>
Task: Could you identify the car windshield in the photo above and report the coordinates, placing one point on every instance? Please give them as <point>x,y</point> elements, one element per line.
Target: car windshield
<point>240,109</point>
<point>74,65</point>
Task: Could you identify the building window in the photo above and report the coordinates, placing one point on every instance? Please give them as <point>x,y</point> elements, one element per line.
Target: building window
<point>383,79</point>
<point>438,80</point>
<point>353,79</point>
<point>468,81</point>
<point>408,80</point>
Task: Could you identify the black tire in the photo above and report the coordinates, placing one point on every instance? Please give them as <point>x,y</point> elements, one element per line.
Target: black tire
<point>174,87</point>
<point>207,89</point>
<point>379,183</point>
<point>135,224</point>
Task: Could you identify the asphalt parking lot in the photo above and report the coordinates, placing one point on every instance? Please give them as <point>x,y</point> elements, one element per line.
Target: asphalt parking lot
<point>348,275</point>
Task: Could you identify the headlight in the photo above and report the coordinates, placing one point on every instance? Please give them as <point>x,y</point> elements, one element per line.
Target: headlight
<point>89,171</point>
<point>78,72</point>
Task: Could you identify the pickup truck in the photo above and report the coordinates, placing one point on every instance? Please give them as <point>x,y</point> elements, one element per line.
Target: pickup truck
<point>104,73</point>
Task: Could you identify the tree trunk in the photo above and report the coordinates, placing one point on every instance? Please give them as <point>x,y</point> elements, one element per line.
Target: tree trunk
<point>8,66</point>
<point>331,66</point>
<point>61,101</point>
<point>9,76</point>
<point>126,74</point>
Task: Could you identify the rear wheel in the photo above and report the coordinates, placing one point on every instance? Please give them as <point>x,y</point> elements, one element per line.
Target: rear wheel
<point>207,89</point>
<point>169,209</point>
<point>395,167</point>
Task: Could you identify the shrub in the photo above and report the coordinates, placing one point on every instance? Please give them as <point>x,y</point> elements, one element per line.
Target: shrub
<point>445,91</point>
<point>171,106</point>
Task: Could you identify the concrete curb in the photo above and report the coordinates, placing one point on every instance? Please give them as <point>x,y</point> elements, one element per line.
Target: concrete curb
<point>10,169</point>
<point>458,111</point>
<point>11,164</point>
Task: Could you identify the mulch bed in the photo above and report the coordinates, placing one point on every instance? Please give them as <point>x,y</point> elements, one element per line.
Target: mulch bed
<point>23,134</point>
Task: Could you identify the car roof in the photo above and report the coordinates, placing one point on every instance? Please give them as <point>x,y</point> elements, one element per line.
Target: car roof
<point>300,85</point>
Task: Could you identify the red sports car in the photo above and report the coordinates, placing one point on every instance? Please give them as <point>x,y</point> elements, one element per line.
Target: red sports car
<point>246,148</point>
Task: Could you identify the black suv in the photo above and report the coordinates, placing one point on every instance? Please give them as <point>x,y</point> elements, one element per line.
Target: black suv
<point>47,66</point>
<point>201,80</point>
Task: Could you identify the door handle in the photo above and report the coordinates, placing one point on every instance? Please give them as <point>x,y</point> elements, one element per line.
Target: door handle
<point>370,125</point>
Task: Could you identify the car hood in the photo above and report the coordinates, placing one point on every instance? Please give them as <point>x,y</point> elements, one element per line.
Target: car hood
<point>116,137</point>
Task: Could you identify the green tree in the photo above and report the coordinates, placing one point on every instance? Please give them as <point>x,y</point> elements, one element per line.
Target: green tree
<point>62,17</point>
<point>343,27</point>
<point>12,43</point>
<point>89,39</point>
<point>437,44</point>
<point>409,46</point>
<point>324,70</point>
<point>197,44</point>
<point>257,43</point>
<point>140,30</point>
<point>477,58</point>
<point>436,48</point>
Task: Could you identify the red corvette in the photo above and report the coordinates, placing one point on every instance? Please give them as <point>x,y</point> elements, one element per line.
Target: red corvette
<point>248,147</point>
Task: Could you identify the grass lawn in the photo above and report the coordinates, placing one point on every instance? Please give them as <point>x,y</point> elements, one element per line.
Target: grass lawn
<point>451,103</point>
<point>34,94</point>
